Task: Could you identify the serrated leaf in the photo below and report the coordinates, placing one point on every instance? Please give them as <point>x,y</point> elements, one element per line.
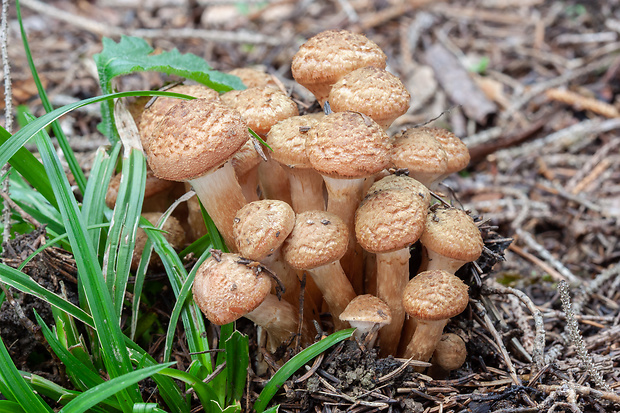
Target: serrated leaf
<point>133,54</point>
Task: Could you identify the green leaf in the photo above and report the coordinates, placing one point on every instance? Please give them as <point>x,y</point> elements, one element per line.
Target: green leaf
<point>7,406</point>
<point>295,364</point>
<point>133,54</point>
<point>237,361</point>
<point>101,392</point>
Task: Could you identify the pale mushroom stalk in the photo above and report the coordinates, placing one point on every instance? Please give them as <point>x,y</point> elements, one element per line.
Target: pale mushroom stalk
<point>306,190</point>
<point>221,196</point>
<point>336,288</point>
<point>427,335</point>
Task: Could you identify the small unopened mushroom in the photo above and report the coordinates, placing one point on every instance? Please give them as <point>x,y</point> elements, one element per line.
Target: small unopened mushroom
<point>450,354</point>
<point>372,91</point>
<point>194,143</point>
<point>328,56</point>
<point>432,298</point>
<point>421,154</point>
<point>456,150</point>
<point>367,314</point>
<point>390,219</point>
<point>316,244</point>
<point>228,287</point>
<point>451,239</point>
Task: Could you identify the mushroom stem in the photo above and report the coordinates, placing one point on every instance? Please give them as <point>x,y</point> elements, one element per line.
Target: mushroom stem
<point>221,195</point>
<point>280,319</point>
<point>392,277</point>
<point>343,199</point>
<point>336,288</point>
<point>427,335</point>
<point>436,261</point>
<point>306,190</point>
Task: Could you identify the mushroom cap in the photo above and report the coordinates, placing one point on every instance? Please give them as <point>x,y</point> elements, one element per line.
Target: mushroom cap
<point>261,227</point>
<point>153,186</point>
<point>195,137</point>
<point>162,104</point>
<point>450,353</point>
<point>262,107</point>
<point>253,77</point>
<point>456,150</point>
<point>435,295</point>
<point>288,137</point>
<point>225,289</point>
<point>392,215</point>
<point>452,233</point>
<point>367,308</point>
<point>419,152</point>
<point>348,145</point>
<point>372,91</point>
<point>245,158</point>
<point>331,54</point>
<point>318,238</point>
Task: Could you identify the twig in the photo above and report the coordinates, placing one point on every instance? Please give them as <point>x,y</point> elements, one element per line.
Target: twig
<point>595,285</point>
<point>8,115</point>
<point>584,391</point>
<point>582,178</point>
<point>581,102</point>
<point>101,29</point>
<point>572,329</point>
<point>539,339</point>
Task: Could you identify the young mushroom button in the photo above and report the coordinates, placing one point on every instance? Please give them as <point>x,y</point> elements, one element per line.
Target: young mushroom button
<point>193,143</point>
<point>367,314</point>
<point>420,153</point>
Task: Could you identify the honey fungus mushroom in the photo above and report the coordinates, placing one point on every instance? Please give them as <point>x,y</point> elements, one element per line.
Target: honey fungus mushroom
<point>367,314</point>
<point>328,56</point>
<point>194,143</point>
<point>227,288</point>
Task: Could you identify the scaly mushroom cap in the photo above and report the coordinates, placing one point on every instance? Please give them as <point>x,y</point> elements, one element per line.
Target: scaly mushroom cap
<point>226,289</point>
<point>162,104</point>
<point>456,150</point>
<point>392,215</point>
<point>252,77</point>
<point>348,145</point>
<point>262,107</point>
<point>435,295</point>
<point>419,152</point>
<point>196,137</point>
<point>261,227</point>
<point>372,91</point>
<point>367,309</point>
<point>326,57</point>
<point>318,238</point>
<point>288,138</point>
<point>450,353</point>
<point>245,158</point>
<point>451,233</point>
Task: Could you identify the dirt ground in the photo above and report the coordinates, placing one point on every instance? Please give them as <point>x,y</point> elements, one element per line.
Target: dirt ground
<point>532,87</point>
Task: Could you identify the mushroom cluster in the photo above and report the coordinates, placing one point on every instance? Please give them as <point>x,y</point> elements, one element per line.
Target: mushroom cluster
<point>337,199</point>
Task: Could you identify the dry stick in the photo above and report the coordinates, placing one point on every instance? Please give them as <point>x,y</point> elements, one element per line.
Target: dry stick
<point>8,111</point>
<point>576,183</point>
<point>575,337</point>
<point>101,29</point>
<point>584,391</point>
<point>581,102</point>
<point>539,340</point>
<point>498,339</point>
<point>594,286</point>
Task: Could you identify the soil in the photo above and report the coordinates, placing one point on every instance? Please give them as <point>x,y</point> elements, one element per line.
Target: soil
<point>531,86</point>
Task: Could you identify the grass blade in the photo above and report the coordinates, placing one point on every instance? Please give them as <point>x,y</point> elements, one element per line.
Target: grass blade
<point>237,362</point>
<point>109,388</point>
<point>295,364</point>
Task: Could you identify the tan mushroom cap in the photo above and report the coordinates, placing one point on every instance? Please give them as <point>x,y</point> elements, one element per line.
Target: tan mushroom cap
<point>318,238</point>
<point>326,57</point>
<point>153,187</point>
<point>435,295</point>
<point>419,152</point>
<point>452,233</point>
<point>262,107</point>
<point>245,158</point>
<point>367,308</point>
<point>288,138</point>
<point>252,77</point>
<point>196,137</point>
<point>456,150</point>
<point>162,104</point>
<point>348,145</point>
<point>392,215</point>
<point>372,91</point>
<point>261,227</point>
<point>450,353</point>
<point>226,289</point>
